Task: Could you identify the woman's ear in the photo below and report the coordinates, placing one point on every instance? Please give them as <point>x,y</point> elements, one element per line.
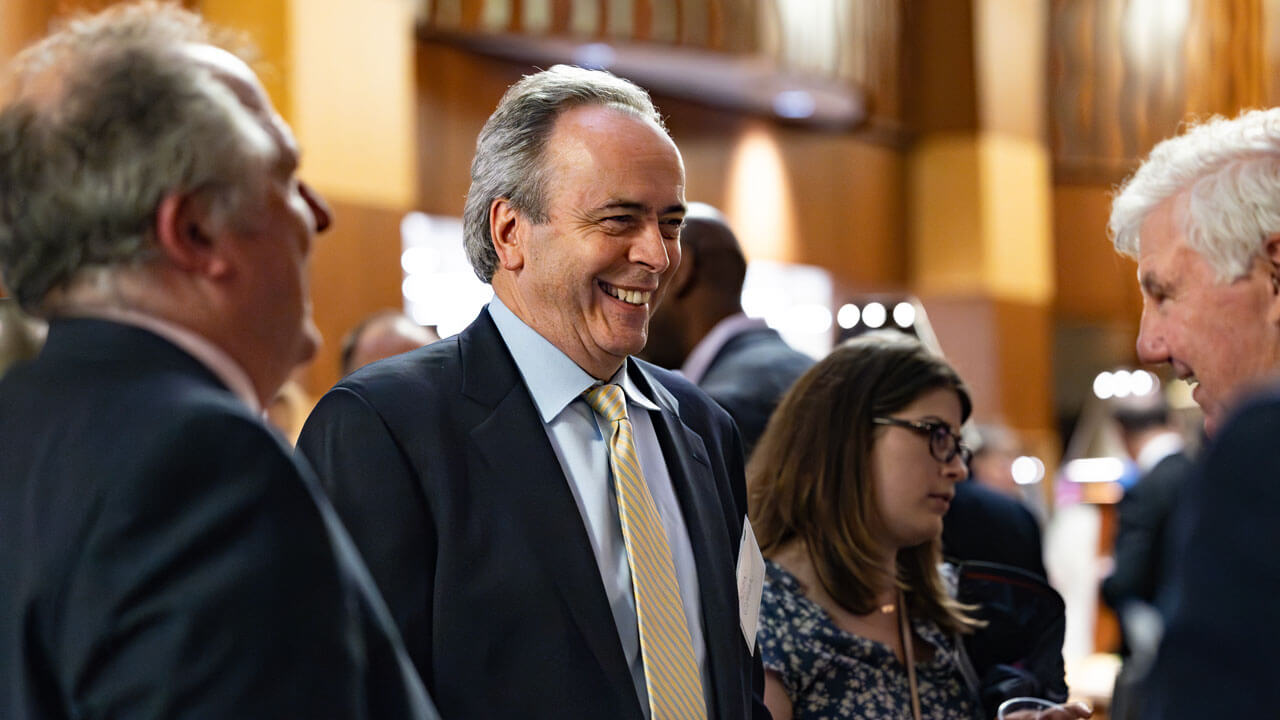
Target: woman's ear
<point>187,235</point>
<point>508,230</point>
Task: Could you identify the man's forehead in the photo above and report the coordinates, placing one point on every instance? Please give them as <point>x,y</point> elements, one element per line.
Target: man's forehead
<point>238,77</point>
<point>231,71</point>
<point>618,148</point>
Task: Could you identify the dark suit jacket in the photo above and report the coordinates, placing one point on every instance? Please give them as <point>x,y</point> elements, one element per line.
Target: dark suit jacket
<point>1142,552</point>
<point>985,525</point>
<point>162,556</point>
<point>440,465</point>
<point>1217,659</point>
<point>749,376</point>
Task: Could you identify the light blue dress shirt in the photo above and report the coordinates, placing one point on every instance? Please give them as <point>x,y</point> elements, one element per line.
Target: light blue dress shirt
<point>580,439</point>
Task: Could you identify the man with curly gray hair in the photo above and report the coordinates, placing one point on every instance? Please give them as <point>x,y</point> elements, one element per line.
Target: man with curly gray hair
<point>480,475</point>
<point>1202,218</point>
<point>161,553</point>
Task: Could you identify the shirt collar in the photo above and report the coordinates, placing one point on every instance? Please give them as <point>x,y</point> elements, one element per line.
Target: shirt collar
<point>553,379</point>
<point>699,360</point>
<point>1158,448</point>
<point>222,365</point>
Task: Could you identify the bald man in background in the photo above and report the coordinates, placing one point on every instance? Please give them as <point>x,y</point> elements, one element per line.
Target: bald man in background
<point>743,364</point>
<point>381,335</point>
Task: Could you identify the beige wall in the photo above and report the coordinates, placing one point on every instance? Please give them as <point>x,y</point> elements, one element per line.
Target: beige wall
<point>342,74</point>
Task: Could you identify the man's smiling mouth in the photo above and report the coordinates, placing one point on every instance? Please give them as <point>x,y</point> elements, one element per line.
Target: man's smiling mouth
<point>631,297</point>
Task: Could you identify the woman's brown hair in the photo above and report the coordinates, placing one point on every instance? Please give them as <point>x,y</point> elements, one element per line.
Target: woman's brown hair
<point>809,477</point>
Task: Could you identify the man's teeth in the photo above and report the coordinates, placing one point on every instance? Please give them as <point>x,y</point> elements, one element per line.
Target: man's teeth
<point>635,297</point>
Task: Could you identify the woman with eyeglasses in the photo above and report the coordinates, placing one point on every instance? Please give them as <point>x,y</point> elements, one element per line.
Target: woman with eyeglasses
<point>848,487</point>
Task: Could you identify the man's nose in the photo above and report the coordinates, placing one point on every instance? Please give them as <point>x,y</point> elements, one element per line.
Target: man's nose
<point>319,208</point>
<point>650,248</point>
<point>1151,347</point>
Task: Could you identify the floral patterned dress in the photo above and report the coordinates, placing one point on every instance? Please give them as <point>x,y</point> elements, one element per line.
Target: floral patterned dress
<point>829,673</point>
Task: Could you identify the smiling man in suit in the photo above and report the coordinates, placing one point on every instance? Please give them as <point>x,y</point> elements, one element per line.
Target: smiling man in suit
<point>162,555</point>
<point>554,523</point>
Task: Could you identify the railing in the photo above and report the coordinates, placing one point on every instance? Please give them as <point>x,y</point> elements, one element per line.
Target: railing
<point>857,42</point>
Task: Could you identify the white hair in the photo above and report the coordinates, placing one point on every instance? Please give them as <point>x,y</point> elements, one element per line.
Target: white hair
<point>1229,173</point>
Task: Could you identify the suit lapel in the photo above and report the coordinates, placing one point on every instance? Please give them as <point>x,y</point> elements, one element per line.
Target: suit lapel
<point>695,485</point>
<point>511,451</point>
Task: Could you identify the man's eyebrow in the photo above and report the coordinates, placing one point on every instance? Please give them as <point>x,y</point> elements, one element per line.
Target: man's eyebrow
<point>640,207</point>
<point>1151,285</point>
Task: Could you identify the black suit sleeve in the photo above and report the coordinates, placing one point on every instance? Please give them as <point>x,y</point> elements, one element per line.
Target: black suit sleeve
<point>207,587</point>
<point>1217,657</point>
<point>376,493</point>
<point>1140,540</point>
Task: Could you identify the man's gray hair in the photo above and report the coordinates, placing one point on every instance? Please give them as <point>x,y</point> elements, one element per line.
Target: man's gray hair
<point>108,118</point>
<point>1229,171</point>
<point>508,162</point>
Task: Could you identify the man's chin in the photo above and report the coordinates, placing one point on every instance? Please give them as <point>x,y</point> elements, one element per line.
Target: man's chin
<point>1211,422</point>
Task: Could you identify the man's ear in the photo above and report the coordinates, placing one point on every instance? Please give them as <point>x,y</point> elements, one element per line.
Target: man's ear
<point>187,236</point>
<point>509,231</point>
<point>1271,251</point>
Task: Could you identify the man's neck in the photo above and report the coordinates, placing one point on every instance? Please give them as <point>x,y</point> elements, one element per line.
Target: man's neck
<point>598,366</point>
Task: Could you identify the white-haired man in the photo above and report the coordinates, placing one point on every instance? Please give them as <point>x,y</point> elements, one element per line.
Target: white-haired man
<point>161,554</point>
<point>1202,217</point>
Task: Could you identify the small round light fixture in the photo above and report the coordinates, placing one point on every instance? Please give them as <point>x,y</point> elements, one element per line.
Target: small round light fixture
<point>874,315</point>
<point>904,315</point>
<point>848,316</point>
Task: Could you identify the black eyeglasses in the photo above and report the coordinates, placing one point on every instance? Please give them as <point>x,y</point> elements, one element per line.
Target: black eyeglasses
<point>944,443</point>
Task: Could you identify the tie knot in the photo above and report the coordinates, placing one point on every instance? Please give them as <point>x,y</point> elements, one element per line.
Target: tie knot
<point>607,400</point>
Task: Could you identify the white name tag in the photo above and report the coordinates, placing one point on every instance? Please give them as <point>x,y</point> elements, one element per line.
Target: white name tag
<point>750,584</point>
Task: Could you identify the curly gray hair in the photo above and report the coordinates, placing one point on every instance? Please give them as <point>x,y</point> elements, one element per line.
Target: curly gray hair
<point>108,118</point>
<point>508,160</point>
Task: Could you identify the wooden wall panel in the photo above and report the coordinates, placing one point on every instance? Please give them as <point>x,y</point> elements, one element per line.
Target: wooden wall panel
<point>1093,282</point>
<point>1003,350</point>
<point>355,270</point>
<point>456,93</point>
<point>850,209</point>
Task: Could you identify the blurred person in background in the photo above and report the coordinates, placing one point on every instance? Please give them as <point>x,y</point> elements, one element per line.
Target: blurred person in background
<point>848,488</point>
<point>995,447</point>
<point>161,554</point>
<point>700,329</point>
<point>1143,549</point>
<point>381,335</point>
<point>1202,217</point>
<point>988,521</point>
<point>986,525</point>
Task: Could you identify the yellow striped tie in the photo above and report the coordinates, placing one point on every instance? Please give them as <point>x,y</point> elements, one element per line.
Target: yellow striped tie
<point>670,670</point>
